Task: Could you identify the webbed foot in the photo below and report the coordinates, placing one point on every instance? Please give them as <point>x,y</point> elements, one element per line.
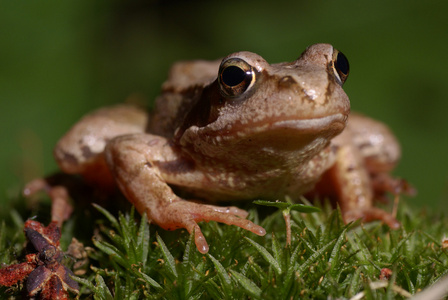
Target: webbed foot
<point>185,214</point>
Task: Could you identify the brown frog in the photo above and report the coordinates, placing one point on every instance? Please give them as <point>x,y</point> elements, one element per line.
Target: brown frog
<point>238,129</point>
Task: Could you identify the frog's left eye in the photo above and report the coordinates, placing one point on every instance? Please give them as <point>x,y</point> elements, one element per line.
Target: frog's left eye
<point>235,77</point>
<point>340,66</point>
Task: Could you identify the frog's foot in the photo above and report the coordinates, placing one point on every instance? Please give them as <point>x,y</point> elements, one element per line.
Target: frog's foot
<point>384,183</point>
<point>372,214</point>
<point>185,214</point>
<point>61,209</point>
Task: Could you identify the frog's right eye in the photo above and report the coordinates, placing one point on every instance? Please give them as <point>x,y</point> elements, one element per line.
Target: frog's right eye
<point>340,66</point>
<point>235,77</point>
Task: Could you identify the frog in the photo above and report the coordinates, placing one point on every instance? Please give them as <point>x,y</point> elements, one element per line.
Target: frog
<point>238,129</point>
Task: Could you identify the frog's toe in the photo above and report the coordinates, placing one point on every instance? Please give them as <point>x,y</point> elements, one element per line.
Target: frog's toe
<point>232,210</point>
<point>34,186</point>
<point>209,213</point>
<point>384,183</point>
<point>199,238</point>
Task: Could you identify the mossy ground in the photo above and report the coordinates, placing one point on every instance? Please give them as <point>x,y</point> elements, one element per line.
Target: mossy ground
<point>129,259</point>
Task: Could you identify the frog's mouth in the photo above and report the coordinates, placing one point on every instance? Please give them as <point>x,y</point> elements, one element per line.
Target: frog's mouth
<point>276,133</point>
<point>292,135</point>
<point>268,136</point>
<point>309,125</point>
<point>333,123</point>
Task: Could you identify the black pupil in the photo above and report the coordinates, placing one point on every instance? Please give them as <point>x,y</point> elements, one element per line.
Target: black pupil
<point>233,75</point>
<point>342,63</point>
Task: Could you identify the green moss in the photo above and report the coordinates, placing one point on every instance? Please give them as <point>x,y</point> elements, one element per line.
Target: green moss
<point>131,259</point>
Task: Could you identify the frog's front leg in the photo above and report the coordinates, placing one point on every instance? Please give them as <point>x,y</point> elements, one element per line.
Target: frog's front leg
<point>136,163</point>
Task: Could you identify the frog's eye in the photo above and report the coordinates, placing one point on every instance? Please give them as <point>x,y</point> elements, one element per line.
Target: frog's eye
<point>340,66</point>
<point>235,77</point>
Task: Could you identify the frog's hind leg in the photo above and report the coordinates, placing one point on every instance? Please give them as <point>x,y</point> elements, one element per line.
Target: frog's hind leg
<point>381,152</point>
<point>81,151</point>
<point>352,183</point>
<point>61,209</point>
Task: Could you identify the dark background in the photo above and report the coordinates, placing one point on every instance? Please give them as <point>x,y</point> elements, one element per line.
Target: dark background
<point>61,59</point>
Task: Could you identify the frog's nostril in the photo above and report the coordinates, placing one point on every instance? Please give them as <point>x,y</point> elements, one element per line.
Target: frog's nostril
<point>286,82</point>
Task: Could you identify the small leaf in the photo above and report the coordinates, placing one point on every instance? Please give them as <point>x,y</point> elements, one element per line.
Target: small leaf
<point>287,282</point>
<point>304,208</point>
<point>408,280</point>
<point>278,204</point>
<point>397,249</point>
<point>108,215</point>
<point>85,282</point>
<point>334,257</point>
<point>222,273</point>
<point>277,249</point>
<point>149,280</point>
<point>249,286</point>
<point>101,289</point>
<point>286,206</point>
<point>17,218</point>
<point>169,259</point>
<point>112,251</point>
<point>315,256</point>
<point>259,272</point>
<point>189,248</point>
<point>354,283</point>
<point>143,240</point>
<point>214,290</point>
<point>364,254</point>
<point>266,255</point>
<point>125,228</point>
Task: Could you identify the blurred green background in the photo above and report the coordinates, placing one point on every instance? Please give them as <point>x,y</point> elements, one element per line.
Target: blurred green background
<point>61,59</point>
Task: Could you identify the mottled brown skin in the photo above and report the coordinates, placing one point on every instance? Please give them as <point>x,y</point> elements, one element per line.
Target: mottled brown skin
<point>275,133</point>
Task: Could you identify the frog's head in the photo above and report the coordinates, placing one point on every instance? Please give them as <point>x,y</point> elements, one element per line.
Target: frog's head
<point>254,106</point>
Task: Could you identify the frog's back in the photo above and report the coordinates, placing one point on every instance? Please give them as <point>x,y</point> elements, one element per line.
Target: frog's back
<point>180,92</point>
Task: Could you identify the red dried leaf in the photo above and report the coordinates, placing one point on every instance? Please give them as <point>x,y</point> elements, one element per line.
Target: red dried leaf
<point>10,275</point>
